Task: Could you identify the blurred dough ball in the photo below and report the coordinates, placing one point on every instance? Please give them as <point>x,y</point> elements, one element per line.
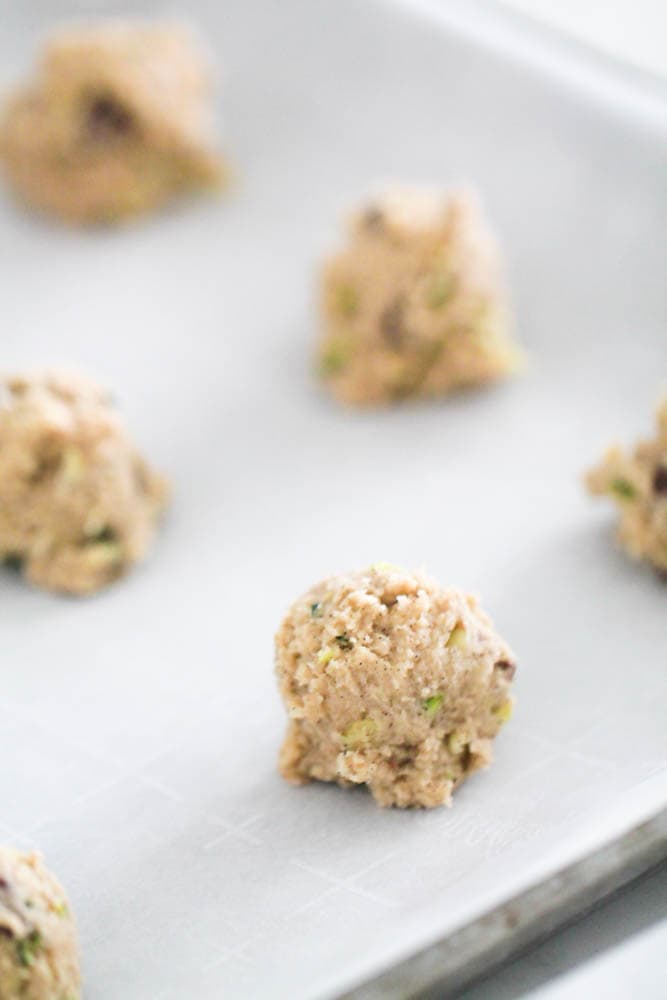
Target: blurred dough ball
<point>78,503</point>
<point>117,121</point>
<point>414,305</point>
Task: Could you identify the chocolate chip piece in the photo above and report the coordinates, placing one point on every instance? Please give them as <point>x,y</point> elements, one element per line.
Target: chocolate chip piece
<point>506,668</point>
<point>660,480</point>
<point>17,385</point>
<point>48,463</point>
<point>4,885</point>
<point>107,118</point>
<point>6,932</point>
<point>373,219</point>
<point>391,322</point>
<point>141,477</point>
<point>105,534</point>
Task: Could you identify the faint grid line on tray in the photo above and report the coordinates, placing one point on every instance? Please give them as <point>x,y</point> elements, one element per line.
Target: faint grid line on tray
<point>158,786</point>
<point>337,885</point>
<point>347,884</point>
<point>25,718</point>
<point>124,771</point>
<point>314,901</point>
<point>79,800</point>
<point>236,952</point>
<point>21,716</point>
<point>9,835</point>
<point>569,749</point>
<point>531,769</point>
<point>603,722</point>
<point>103,787</point>
<point>233,830</point>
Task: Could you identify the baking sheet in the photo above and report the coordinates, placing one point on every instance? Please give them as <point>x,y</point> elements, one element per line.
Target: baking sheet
<point>475,950</point>
<point>138,730</point>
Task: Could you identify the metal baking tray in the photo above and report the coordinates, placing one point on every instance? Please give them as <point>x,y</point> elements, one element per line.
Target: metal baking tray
<point>139,730</point>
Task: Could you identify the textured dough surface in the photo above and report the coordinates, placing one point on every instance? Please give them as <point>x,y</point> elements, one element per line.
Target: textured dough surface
<point>636,481</point>
<point>414,305</point>
<point>78,504</point>
<point>38,945</point>
<point>116,121</point>
<point>390,681</point>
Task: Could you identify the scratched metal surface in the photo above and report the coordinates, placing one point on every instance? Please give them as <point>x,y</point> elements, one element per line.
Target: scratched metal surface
<point>138,731</point>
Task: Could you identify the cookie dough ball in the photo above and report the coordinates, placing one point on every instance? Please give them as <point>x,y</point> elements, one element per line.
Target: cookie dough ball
<point>414,305</point>
<point>116,122</point>
<point>38,947</point>
<point>636,481</point>
<point>390,681</point>
<point>78,504</point>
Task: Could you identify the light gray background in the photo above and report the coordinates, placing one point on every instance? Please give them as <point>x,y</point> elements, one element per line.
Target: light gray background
<point>632,30</point>
<point>144,724</point>
<point>618,955</point>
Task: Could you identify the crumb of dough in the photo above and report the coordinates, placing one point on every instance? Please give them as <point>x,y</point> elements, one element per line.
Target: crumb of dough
<point>78,504</point>
<point>636,481</point>
<point>414,305</point>
<point>116,121</point>
<point>38,944</point>
<point>394,682</point>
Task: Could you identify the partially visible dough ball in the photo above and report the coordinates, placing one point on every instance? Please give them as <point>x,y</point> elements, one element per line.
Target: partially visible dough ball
<point>38,946</point>
<point>391,681</point>
<point>116,121</point>
<point>78,504</point>
<point>415,304</point>
<point>636,481</point>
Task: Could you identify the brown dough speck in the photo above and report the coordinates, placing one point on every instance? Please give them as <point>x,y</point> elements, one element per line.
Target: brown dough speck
<point>106,118</point>
<point>506,668</point>
<point>391,322</point>
<point>660,480</point>
<point>373,219</point>
<point>635,479</point>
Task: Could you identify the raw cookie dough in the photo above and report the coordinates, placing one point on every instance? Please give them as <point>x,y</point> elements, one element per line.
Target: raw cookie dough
<point>78,504</point>
<point>637,482</point>
<point>116,121</point>
<point>414,305</point>
<point>38,946</point>
<point>390,681</point>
